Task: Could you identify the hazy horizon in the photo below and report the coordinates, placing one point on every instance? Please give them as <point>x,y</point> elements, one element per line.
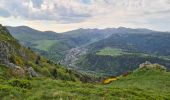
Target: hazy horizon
<point>85,29</point>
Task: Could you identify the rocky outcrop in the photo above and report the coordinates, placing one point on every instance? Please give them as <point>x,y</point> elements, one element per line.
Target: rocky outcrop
<point>4,52</point>
<point>149,65</point>
<point>11,65</point>
<point>31,72</point>
<point>13,55</point>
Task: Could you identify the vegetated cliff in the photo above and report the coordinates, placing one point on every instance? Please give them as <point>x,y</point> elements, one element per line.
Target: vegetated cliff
<point>23,62</point>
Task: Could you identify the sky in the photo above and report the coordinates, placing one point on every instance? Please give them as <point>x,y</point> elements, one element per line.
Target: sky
<point>65,15</point>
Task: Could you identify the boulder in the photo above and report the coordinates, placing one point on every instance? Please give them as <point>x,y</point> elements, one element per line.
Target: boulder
<point>31,72</point>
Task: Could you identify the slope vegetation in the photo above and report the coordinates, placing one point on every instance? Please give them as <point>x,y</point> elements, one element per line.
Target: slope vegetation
<point>150,82</point>
<point>17,61</point>
<point>121,53</point>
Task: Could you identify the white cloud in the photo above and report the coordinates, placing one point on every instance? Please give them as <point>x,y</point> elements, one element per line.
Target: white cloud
<point>58,10</point>
<point>90,13</point>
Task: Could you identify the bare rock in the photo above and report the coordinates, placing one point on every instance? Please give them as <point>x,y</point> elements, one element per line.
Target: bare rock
<point>31,72</point>
<point>149,65</point>
<point>4,52</point>
<point>144,64</point>
<point>11,65</point>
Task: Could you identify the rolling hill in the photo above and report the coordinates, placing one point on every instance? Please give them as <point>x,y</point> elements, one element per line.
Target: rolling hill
<point>110,51</point>
<point>54,45</point>
<point>121,53</point>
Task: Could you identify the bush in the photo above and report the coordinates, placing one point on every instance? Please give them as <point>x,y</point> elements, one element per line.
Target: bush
<point>16,60</point>
<point>44,71</point>
<point>37,61</point>
<point>4,91</point>
<point>20,83</point>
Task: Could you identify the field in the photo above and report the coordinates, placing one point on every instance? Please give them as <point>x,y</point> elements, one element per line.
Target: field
<point>111,52</point>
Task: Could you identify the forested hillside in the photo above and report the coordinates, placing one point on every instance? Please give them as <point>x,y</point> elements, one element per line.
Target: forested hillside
<point>53,45</point>
<point>121,53</point>
<point>111,51</point>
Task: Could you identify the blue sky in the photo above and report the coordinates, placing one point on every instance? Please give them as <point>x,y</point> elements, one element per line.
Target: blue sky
<point>65,15</point>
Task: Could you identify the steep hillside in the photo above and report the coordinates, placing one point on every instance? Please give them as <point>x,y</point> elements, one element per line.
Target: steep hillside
<point>150,81</point>
<point>17,61</point>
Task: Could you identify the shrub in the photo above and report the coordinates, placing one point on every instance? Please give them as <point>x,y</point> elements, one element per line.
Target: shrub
<point>16,60</point>
<point>20,83</point>
<point>4,91</point>
<point>37,61</point>
<point>44,71</point>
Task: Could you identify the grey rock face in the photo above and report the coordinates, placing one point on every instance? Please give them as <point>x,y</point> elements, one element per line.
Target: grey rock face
<point>11,65</point>
<point>4,53</point>
<point>8,49</point>
<point>31,72</point>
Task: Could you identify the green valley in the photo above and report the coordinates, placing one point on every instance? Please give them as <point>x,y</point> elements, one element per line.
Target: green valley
<point>29,76</point>
<point>84,50</point>
<point>99,51</point>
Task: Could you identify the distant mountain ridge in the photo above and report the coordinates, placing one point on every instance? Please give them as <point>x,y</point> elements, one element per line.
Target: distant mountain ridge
<point>109,51</point>
<point>56,44</point>
<point>119,29</point>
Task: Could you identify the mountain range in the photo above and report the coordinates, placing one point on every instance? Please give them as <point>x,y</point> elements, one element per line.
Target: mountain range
<point>110,51</point>
<point>27,75</point>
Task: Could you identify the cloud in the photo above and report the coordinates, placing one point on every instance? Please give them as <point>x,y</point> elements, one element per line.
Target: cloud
<point>56,10</point>
<point>90,13</point>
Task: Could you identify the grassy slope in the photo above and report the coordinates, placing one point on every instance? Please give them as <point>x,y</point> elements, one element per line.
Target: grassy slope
<point>150,84</point>
<point>108,51</point>
<point>44,44</point>
<point>24,58</point>
<point>111,52</point>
